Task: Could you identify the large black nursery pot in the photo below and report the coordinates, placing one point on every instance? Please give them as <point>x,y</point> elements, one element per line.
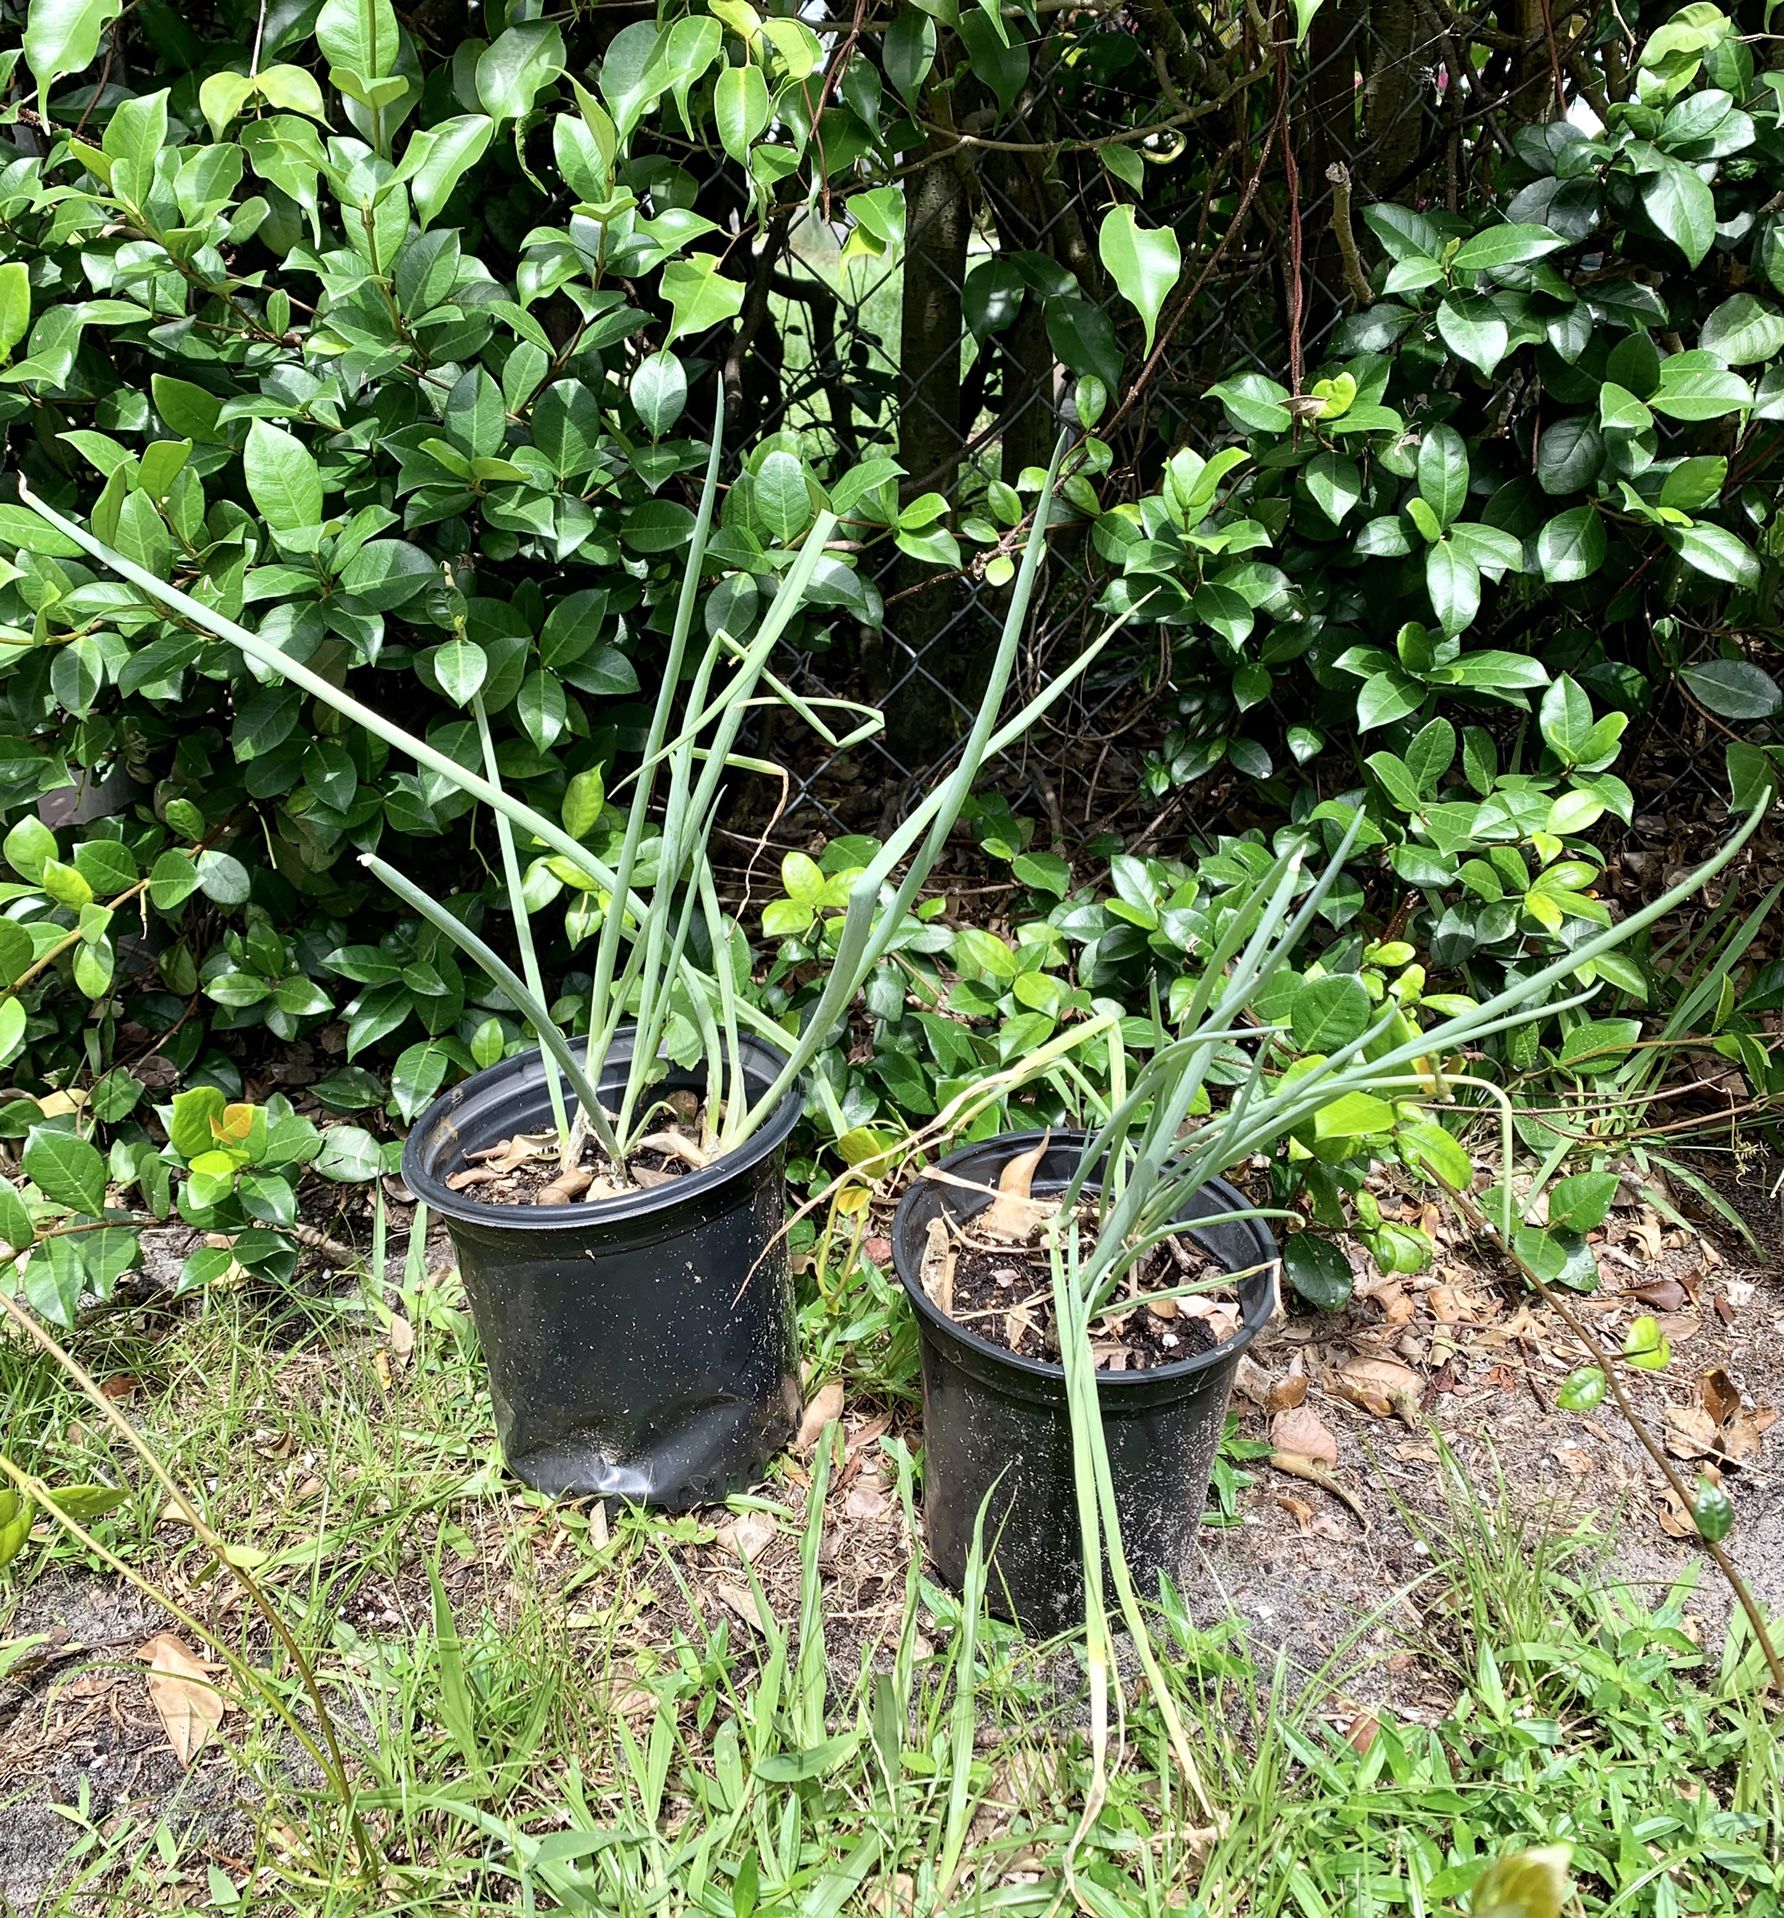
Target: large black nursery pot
<point>996,1425</point>
<point>639,1347</point>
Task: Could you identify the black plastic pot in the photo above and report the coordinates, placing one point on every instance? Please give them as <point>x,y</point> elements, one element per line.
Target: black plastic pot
<point>640,1347</point>
<point>995,1425</point>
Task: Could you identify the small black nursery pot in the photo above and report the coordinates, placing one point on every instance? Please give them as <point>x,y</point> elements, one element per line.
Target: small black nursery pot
<point>639,1347</point>
<point>996,1424</point>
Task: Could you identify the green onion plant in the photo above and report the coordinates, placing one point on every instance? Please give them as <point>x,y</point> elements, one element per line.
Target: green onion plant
<point>1145,1164</point>
<point>663,950</point>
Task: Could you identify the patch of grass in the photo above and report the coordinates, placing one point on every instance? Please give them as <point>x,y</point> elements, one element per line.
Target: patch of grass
<point>548,1712</point>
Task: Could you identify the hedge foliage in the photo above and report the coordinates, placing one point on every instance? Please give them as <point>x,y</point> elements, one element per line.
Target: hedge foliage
<point>403,346</point>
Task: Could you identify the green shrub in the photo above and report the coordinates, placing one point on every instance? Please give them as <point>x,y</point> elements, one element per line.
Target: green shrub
<point>1541,469</point>
<point>390,348</point>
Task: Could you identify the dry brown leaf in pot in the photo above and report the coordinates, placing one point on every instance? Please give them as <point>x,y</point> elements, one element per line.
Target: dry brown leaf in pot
<point>470,1176</point>
<point>567,1187</point>
<point>522,1149</point>
<point>673,1143</point>
<point>1014,1215</point>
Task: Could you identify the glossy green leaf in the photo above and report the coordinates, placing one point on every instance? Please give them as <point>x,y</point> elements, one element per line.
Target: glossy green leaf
<point>283,479</point>
<point>1712,1511</point>
<point>1681,206</point>
<point>1715,551</point>
<point>1423,1142</point>
<point>782,496</point>
<point>740,108</point>
<point>699,295</point>
<point>1582,1199</point>
<point>1582,1391</point>
<point>1572,545</point>
<point>1329,1012</point>
<point>359,36</point>
<point>1144,262</point>
<point>62,37</point>
<point>66,1170</point>
<point>441,156</point>
<point>1443,473</point>
<point>15,305</point>
<point>1742,330</point>
<point>517,66</point>
<point>1318,1270</point>
<point>1336,483</point>
<point>1509,245</point>
<point>1734,688</point>
<point>659,392</point>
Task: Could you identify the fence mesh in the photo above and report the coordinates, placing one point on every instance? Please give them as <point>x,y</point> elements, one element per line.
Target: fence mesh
<point>942,353</point>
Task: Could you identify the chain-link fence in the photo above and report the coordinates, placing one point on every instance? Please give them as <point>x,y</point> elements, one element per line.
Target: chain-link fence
<point>953,351</point>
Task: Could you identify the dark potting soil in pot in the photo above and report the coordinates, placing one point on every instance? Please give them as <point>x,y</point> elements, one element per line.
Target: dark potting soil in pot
<point>525,1169</point>
<point>1005,1294</point>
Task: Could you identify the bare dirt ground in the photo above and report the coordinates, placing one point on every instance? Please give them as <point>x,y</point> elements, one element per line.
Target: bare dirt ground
<point>1482,1360</point>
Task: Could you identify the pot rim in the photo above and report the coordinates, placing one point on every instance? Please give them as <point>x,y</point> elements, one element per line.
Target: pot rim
<point>1254,1315</point>
<point>622,1208</point>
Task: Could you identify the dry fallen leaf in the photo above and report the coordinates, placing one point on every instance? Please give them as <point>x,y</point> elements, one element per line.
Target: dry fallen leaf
<point>740,1602</point>
<point>1251,1381</point>
<point>624,1698</point>
<point>1298,1509</point>
<point>1672,1515</point>
<point>1297,1466</point>
<point>1011,1218</point>
<point>824,1405</point>
<point>1395,1304</point>
<point>1733,1433</point>
<point>1362,1731</point>
<point>1664,1295</point>
<point>189,1705</point>
<point>1450,1305</point>
<point>1300,1429</point>
<point>1291,1389</point>
<point>1384,1387</point>
<point>1719,1394</point>
<point>865,1501</point>
<point>1690,1431</point>
<point>748,1536</point>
